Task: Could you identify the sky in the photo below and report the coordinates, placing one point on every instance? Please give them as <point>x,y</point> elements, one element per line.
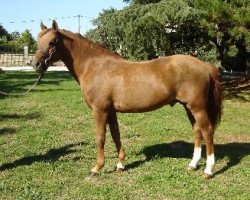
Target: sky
<point>19,15</point>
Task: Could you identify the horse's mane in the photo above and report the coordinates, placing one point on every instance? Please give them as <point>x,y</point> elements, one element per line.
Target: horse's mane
<point>43,32</point>
<point>91,44</point>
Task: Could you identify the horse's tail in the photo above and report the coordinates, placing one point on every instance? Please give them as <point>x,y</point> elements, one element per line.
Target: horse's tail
<point>214,97</point>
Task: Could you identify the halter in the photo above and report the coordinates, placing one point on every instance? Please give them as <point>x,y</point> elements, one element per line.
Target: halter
<point>47,60</point>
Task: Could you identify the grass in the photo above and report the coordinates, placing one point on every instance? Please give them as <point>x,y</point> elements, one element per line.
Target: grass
<point>47,144</point>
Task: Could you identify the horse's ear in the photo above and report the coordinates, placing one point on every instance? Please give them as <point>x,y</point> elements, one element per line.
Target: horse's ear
<point>43,27</point>
<point>54,25</point>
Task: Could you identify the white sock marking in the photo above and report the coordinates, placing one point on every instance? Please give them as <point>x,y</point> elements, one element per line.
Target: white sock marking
<point>119,166</point>
<point>196,157</point>
<point>210,164</point>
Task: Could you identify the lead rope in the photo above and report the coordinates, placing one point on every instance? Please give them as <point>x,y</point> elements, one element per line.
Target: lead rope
<point>21,94</point>
<point>47,62</point>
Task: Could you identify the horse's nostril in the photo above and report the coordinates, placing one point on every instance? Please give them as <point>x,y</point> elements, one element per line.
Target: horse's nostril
<point>38,64</point>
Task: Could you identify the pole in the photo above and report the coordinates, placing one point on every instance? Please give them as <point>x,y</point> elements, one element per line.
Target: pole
<point>79,23</point>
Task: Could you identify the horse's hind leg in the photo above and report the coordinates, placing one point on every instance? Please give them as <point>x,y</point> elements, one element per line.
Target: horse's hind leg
<point>197,142</point>
<point>203,124</point>
<point>115,133</point>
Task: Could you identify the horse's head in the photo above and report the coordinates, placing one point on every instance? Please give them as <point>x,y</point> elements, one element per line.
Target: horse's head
<point>49,41</point>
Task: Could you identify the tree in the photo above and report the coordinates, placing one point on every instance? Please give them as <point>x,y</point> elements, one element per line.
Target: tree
<point>3,32</point>
<point>16,41</point>
<point>140,32</point>
<point>14,35</point>
<point>3,43</point>
<point>141,1</point>
<point>26,39</point>
<point>227,25</point>
<point>4,37</point>
<point>209,29</point>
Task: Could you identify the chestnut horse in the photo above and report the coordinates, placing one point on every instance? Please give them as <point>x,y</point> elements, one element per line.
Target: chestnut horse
<point>111,84</point>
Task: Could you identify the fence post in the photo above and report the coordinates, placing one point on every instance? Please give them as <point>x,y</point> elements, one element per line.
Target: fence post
<point>26,54</point>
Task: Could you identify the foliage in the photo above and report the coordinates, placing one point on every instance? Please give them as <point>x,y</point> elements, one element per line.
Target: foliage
<point>48,146</point>
<point>3,32</point>
<point>227,24</point>
<point>3,42</point>
<point>26,38</point>
<point>141,32</point>
<point>15,35</point>
<point>141,1</point>
<point>16,41</point>
<point>213,30</point>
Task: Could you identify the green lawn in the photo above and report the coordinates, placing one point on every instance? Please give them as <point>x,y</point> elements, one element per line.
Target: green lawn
<point>47,147</point>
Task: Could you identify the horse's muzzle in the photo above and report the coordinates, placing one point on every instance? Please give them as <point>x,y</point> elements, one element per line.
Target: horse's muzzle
<point>39,66</point>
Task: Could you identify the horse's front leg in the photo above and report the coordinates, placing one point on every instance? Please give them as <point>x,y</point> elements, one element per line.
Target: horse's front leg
<point>100,118</point>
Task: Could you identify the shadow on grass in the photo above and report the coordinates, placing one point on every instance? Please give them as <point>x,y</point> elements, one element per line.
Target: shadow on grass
<point>15,116</point>
<point>51,155</point>
<point>6,131</point>
<point>28,116</point>
<point>237,90</point>
<point>18,82</point>
<point>180,149</point>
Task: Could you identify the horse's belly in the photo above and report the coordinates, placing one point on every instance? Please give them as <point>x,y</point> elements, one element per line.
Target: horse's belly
<point>142,100</point>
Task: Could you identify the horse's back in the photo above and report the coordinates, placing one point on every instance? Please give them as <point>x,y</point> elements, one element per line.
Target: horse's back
<point>147,85</point>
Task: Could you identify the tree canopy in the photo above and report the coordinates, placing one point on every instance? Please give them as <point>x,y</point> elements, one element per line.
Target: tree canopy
<point>214,30</point>
<point>3,31</point>
<point>16,41</point>
<point>227,24</point>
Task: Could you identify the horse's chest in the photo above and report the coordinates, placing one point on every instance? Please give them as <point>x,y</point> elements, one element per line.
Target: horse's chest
<point>96,96</point>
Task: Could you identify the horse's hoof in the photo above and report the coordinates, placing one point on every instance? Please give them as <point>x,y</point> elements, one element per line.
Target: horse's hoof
<point>192,169</point>
<point>91,174</point>
<point>208,176</point>
<point>117,169</point>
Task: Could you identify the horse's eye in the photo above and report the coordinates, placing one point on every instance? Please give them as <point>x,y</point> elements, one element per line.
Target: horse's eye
<point>52,43</point>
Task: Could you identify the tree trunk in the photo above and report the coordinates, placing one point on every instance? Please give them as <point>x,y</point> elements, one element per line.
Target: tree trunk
<point>241,57</point>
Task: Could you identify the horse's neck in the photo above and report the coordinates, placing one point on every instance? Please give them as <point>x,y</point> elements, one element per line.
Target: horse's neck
<point>79,51</point>
<point>67,59</point>
<point>74,58</point>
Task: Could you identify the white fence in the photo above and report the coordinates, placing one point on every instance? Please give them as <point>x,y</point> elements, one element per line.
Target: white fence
<point>13,60</point>
<point>10,59</point>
